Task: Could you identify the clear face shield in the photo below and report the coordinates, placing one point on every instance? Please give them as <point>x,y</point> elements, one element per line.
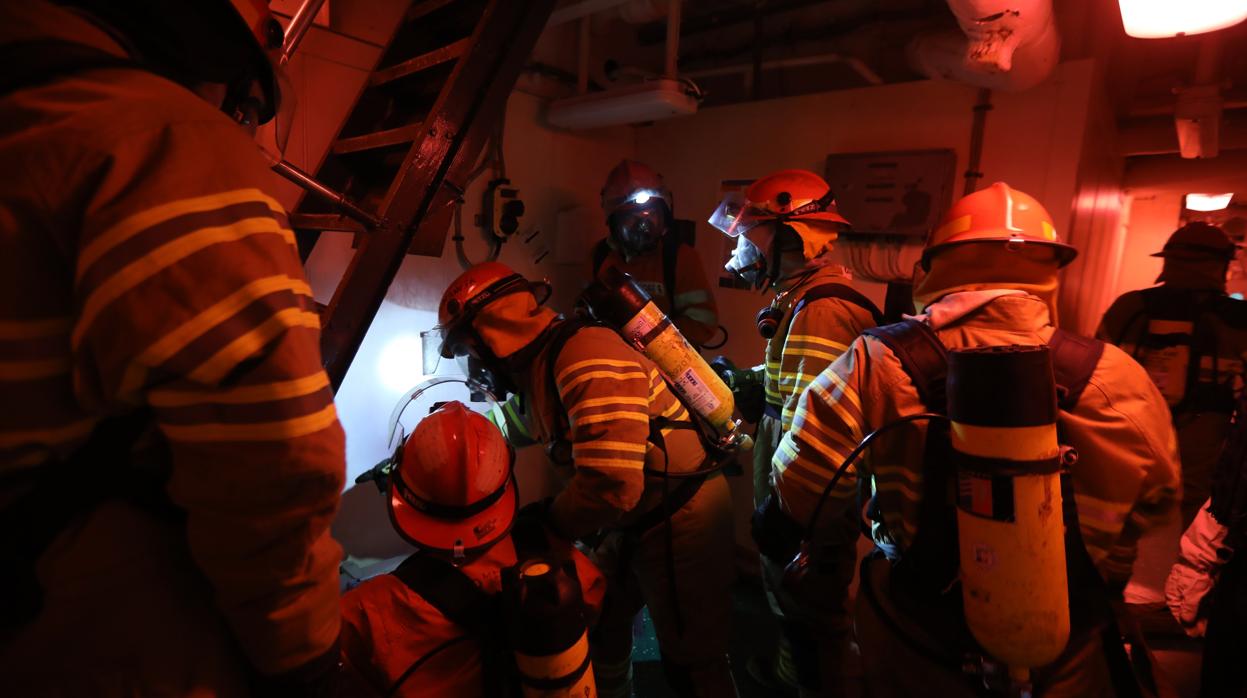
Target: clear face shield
<point>415,404</point>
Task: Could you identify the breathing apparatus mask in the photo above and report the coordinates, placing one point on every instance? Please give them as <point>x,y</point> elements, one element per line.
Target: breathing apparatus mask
<point>638,224</point>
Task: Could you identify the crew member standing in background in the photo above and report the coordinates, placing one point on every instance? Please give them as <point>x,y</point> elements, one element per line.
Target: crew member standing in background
<point>785,231</point>
<point>170,452</point>
<point>642,243</point>
<point>990,279</point>
<point>1192,339</point>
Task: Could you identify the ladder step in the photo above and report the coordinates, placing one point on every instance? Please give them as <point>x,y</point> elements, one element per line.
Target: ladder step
<point>380,139</point>
<point>421,9</point>
<point>325,222</point>
<point>419,63</point>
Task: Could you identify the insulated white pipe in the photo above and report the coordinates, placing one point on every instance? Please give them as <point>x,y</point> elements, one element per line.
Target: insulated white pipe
<point>671,66</point>
<point>1004,45</point>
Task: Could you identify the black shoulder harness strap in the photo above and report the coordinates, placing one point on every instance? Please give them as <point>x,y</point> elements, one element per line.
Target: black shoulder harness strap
<point>840,292</point>
<point>925,359</point>
<point>921,354</point>
<point>448,590</point>
<point>1074,359</point>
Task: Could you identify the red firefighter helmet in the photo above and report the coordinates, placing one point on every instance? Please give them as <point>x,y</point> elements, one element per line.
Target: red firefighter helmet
<point>997,214</point>
<point>468,293</point>
<point>784,196</point>
<point>633,184</point>
<point>453,490</point>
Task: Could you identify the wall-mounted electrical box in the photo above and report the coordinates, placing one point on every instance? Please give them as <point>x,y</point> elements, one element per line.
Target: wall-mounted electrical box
<point>502,209</point>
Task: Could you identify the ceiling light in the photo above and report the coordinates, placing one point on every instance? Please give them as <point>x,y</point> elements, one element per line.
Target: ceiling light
<point>1208,202</point>
<point>1159,19</point>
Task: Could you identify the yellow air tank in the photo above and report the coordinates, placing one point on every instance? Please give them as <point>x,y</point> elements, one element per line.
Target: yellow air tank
<point>548,634</point>
<point>1002,405</point>
<point>617,300</point>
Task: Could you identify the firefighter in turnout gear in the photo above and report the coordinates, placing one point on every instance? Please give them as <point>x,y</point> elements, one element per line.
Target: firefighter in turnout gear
<point>453,496</point>
<point>641,243</point>
<point>989,278</point>
<point>170,451</point>
<point>1192,339</point>
<point>616,433</point>
<point>786,232</point>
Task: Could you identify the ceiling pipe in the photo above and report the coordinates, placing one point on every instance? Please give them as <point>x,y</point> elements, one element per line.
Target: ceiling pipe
<point>863,71</point>
<point>573,12</point>
<point>1173,173</point>
<point>1156,135</point>
<point>1008,45</point>
<point>302,20</point>
<point>671,65</point>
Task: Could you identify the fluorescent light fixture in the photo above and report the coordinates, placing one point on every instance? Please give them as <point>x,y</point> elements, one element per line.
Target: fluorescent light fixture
<point>1160,19</point>
<point>1208,202</point>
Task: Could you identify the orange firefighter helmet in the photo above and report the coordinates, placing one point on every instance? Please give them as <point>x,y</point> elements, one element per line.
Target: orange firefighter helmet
<point>453,490</point>
<point>997,214</point>
<point>471,291</point>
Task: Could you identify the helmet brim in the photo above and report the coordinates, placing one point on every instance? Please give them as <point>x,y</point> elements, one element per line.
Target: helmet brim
<point>1065,253</point>
<point>473,533</point>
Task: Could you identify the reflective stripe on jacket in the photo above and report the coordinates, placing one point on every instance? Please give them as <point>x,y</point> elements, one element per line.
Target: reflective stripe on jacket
<point>810,340</point>
<point>1126,479</point>
<point>146,263</point>
<point>610,393</point>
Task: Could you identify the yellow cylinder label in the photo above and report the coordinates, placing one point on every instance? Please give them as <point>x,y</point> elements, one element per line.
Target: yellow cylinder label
<point>689,374</point>
<point>557,666</point>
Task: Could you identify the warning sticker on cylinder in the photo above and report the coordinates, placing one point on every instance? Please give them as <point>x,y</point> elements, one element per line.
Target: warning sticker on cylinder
<point>695,391</point>
<point>643,323</point>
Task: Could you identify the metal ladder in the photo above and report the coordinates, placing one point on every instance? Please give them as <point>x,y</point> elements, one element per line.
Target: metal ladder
<point>417,128</point>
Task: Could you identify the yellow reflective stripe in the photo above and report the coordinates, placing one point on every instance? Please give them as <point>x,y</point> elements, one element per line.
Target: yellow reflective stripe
<point>1101,514</point>
<point>16,371</point>
<point>814,353</point>
<point>812,422</point>
<point>610,416</point>
<point>514,419</point>
<point>698,295</point>
<point>675,408</point>
<point>167,255</point>
<point>613,375</point>
<point>595,362</point>
<point>268,392</point>
<point>637,464</point>
<point>855,429</point>
<point>192,329</point>
<point>34,329</point>
<point>54,435</point>
<point>815,339</point>
<point>626,446</point>
<point>849,393</point>
<point>261,431</point>
<point>601,401</point>
<point>215,368</point>
<point>129,227</point>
